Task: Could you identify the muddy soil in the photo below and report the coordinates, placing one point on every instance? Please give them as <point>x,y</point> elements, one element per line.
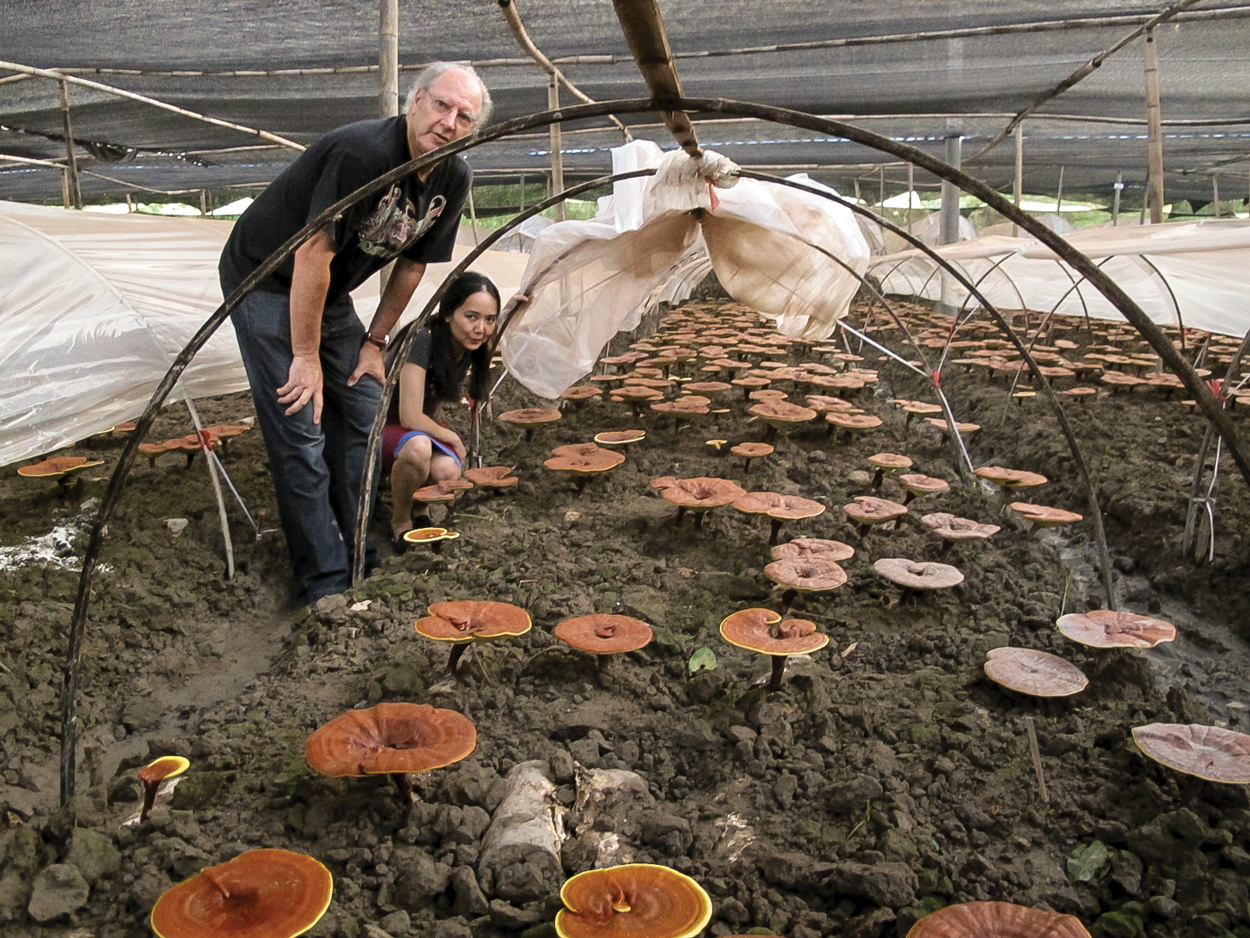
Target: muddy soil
<point>887,777</point>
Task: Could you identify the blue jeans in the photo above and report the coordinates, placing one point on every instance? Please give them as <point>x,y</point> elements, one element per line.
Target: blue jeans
<point>316,468</point>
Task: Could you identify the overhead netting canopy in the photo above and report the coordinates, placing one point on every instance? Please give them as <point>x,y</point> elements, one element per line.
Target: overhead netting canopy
<point>914,72</point>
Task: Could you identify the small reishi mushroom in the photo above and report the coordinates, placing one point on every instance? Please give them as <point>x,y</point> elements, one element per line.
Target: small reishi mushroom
<point>750,451</point>
<point>804,575</point>
<point>1008,480</point>
<point>802,548</point>
<point>952,529</point>
<point>916,409</point>
<point>1034,672</point>
<point>982,919</point>
<point>603,634</point>
<point>1209,752</point>
<point>779,508</point>
<point>944,428</point>
<point>631,901</point>
<point>153,774</point>
<point>635,395</point>
<point>582,467</point>
<point>390,739</point>
<point>1106,628</point>
<point>691,405</point>
<point>466,621</point>
<point>435,494</point>
<point>916,576</point>
<point>885,463</point>
<point>192,444</point>
<point>1041,516</point>
<point>621,438</point>
<point>767,632</point>
<point>492,478</point>
<point>225,432</point>
<point>61,469</point>
<point>699,495</point>
<point>433,536</point>
<point>153,450</point>
<point>529,419</point>
<point>579,394</point>
<point>852,423</point>
<point>782,416</point>
<point>259,894</point>
<point>868,510</point>
<point>917,485</point>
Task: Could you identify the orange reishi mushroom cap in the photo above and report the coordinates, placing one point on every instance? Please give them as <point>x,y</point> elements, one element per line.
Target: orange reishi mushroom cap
<point>950,528</point>
<point>488,477</point>
<point>918,575</point>
<point>619,437</point>
<point>1105,628</point>
<point>766,632</point>
<point>471,620</point>
<point>165,767</point>
<point>980,919</point>
<point>391,737</point>
<point>55,467</point>
<point>1034,672</point>
<point>806,574</point>
<point>868,509</point>
<point>603,633</point>
<point>804,547</point>
<point>258,894</point>
<point>701,493</point>
<point>1010,478</point>
<point>1044,517</point>
<point>630,901</point>
<point>919,484</point>
<point>529,417</point>
<point>784,507</point>
<point>1209,752</point>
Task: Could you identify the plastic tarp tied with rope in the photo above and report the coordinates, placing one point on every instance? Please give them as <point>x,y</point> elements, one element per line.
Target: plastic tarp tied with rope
<point>1189,274</point>
<point>655,237</point>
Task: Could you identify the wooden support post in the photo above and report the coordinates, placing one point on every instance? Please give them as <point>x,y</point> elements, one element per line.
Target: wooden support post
<point>388,58</point>
<point>1059,193</point>
<point>1215,193</point>
<point>74,193</point>
<point>1154,131</point>
<point>557,157</point>
<point>1115,201</point>
<point>1017,183</point>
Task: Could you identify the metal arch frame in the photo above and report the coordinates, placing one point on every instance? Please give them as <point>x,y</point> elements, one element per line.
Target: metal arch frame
<point>965,182</point>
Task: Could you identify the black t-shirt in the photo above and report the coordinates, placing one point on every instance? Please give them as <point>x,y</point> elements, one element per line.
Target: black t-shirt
<point>421,354</point>
<point>366,236</point>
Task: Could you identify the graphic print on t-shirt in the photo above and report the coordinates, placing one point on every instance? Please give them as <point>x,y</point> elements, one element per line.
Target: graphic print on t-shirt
<point>394,225</point>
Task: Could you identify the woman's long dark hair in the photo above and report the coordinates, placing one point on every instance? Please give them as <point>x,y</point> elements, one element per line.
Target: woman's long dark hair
<point>445,374</point>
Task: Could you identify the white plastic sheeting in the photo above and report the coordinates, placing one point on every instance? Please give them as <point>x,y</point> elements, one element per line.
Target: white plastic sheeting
<point>653,240</point>
<point>94,308</point>
<point>1180,273</point>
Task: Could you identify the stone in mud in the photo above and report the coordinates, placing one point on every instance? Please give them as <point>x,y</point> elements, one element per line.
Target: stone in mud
<point>660,829</point>
<point>851,796</point>
<point>14,895</point>
<point>891,885</point>
<point>796,871</point>
<point>534,878</point>
<point>507,916</point>
<point>469,902</point>
<point>93,854</point>
<point>420,882</point>
<point>59,890</point>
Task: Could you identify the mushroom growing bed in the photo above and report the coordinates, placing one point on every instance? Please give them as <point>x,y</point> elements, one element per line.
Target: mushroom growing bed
<point>886,776</point>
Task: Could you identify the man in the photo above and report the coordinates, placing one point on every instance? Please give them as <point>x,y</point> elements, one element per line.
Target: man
<point>316,373</point>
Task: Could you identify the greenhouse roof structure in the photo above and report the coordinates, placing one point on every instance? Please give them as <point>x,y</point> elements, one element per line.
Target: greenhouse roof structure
<point>1071,74</point>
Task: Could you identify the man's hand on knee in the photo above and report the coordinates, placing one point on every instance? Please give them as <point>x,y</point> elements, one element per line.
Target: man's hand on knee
<point>304,384</point>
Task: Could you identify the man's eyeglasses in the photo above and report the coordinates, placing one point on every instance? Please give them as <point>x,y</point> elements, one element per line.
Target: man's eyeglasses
<point>464,119</point>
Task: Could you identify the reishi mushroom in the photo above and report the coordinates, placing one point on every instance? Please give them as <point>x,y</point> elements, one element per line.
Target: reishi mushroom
<point>635,900</point>
<point>805,547</point>
<point>952,529</point>
<point>582,467</point>
<point>779,508</point>
<point>767,632</point>
<point>804,575</point>
<point>1106,628</point>
<point>1208,752</point>
<point>154,774</point>
<point>916,576</point>
<point>529,419</point>
<point>390,739</point>
<point>1006,919</point>
<point>61,469</point>
<point>868,510</point>
<point>603,634</point>
<point>750,451</point>
<point>1034,672</point>
<point>466,621</point>
<point>699,495</point>
<point>258,894</point>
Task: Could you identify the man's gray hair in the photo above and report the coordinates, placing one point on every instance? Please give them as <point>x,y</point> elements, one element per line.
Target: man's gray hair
<point>432,72</point>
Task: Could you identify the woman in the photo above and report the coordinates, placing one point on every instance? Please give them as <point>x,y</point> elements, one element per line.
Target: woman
<point>417,449</point>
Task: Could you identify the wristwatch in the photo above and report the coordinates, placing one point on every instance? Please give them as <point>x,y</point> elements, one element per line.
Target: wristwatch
<point>373,340</point>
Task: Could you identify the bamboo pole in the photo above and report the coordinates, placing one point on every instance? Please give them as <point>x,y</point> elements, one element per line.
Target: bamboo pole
<point>1115,201</point>
<point>72,185</point>
<point>1215,193</point>
<point>1059,193</point>
<point>648,43</point>
<point>557,153</point>
<point>1154,132</point>
<point>388,58</point>
<point>143,99</point>
<point>1017,182</point>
